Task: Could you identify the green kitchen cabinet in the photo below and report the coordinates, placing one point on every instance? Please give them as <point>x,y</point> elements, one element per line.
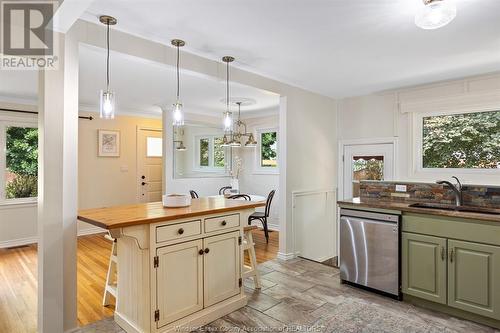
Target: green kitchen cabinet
<point>424,266</point>
<point>474,278</point>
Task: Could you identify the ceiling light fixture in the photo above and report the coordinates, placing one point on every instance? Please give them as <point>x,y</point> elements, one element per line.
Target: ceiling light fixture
<point>178,115</point>
<point>227,116</point>
<point>435,14</point>
<point>107,97</point>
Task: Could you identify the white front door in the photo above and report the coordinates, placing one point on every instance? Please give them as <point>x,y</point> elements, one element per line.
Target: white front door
<point>366,162</point>
<point>149,165</point>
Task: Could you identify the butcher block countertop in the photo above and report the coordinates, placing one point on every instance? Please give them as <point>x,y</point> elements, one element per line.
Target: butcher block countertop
<point>404,207</point>
<point>129,215</point>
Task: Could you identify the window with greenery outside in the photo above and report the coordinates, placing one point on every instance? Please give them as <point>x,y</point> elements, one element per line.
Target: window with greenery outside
<point>204,152</point>
<point>269,149</point>
<point>469,140</point>
<point>22,162</point>
<point>218,153</point>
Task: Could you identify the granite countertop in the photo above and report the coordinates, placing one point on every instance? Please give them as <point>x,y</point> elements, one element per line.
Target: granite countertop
<point>124,216</point>
<point>405,207</point>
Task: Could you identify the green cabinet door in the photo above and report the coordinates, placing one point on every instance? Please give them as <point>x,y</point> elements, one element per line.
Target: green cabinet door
<point>424,266</point>
<point>474,278</point>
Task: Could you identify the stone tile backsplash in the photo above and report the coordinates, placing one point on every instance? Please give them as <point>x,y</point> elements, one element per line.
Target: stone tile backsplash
<point>473,195</point>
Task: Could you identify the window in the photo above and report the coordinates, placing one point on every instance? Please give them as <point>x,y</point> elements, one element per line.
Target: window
<point>210,155</point>
<point>366,168</point>
<point>154,147</point>
<point>461,141</point>
<point>267,150</point>
<point>19,161</point>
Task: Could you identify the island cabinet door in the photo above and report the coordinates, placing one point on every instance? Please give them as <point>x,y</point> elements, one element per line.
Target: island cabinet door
<point>474,278</point>
<point>222,267</point>
<point>179,281</point>
<point>424,266</point>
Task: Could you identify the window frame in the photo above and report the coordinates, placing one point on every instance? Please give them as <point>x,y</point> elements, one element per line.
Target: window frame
<point>416,149</point>
<point>211,155</point>
<point>259,169</point>
<point>14,121</point>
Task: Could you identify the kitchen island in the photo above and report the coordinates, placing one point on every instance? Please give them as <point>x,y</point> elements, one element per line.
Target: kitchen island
<point>178,268</point>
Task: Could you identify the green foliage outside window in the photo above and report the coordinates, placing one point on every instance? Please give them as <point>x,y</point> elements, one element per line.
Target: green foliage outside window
<point>22,162</point>
<point>470,140</point>
<point>218,153</point>
<point>204,152</point>
<point>269,149</point>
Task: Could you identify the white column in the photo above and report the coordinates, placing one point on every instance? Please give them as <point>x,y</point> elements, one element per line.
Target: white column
<point>57,190</point>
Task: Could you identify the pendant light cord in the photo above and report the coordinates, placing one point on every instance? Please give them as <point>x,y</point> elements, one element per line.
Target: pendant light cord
<point>227,86</point>
<point>178,77</point>
<point>107,58</point>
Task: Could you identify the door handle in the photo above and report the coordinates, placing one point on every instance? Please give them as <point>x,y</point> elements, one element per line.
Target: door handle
<point>143,183</point>
<point>451,255</point>
<point>443,253</point>
<point>143,177</point>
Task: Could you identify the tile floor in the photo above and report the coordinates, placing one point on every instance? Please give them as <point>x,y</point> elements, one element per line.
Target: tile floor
<point>303,296</point>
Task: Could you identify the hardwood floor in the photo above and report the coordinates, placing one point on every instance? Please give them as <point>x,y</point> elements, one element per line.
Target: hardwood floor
<point>18,280</point>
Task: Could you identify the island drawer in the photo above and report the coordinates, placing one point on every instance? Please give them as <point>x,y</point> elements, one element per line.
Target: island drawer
<point>222,222</point>
<point>178,231</point>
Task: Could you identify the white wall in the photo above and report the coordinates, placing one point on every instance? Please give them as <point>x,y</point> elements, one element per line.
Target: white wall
<point>253,181</point>
<point>388,114</point>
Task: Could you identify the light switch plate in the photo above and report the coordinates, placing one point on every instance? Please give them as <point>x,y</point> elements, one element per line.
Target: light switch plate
<point>400,188</point>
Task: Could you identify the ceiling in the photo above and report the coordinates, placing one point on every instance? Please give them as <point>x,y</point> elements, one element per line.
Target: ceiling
<point>142,87</point>
<point>332,47</point>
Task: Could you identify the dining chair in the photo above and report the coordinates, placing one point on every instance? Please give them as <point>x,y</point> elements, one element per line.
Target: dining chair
<point>262,217</point>
<point>223,190</point>
<point>194,195</point>
<point>237,196</point>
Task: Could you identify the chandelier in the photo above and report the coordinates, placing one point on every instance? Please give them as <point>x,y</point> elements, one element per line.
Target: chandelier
<point>239,130</point>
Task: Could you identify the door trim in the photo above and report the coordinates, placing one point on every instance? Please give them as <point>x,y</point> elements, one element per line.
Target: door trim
<point>137,171</point>
<point>367,141</point>
<point>340,167</point>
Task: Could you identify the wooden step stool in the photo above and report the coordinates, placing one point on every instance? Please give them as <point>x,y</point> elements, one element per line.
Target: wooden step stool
<point>110,287</point>
<point>248,245</point>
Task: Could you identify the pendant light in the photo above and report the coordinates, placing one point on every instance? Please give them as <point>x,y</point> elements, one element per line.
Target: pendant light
<point>227,116</point>
<point>177,114</point>
<point>107,97</point>
<point>435,14</point>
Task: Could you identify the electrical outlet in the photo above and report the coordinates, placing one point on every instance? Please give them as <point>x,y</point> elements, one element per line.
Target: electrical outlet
<point>400,188</point>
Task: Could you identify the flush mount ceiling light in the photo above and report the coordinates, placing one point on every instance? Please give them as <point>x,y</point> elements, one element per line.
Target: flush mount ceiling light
<point>227,116</point>
<point>107,97</point>
<point>177,114</point>
<point>435,14</point>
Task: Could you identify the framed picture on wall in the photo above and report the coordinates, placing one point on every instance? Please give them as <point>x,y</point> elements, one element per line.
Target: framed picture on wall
<point>108,143</point>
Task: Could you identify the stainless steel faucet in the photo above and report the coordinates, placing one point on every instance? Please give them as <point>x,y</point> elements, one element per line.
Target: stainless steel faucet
<point>457,189</point>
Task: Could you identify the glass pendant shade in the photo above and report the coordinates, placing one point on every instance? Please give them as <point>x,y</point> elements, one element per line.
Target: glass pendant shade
<point>228,121</point>
<point>177,114</point>
<point>435,14</point>
<point>107,104</point>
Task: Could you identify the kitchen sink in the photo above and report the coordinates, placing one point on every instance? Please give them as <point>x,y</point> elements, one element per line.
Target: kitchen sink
<point>469,209</point>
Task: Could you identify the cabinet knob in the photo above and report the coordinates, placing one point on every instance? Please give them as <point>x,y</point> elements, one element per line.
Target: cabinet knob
<point>207,250</point>
<point>224,223</point>
<point>180,231</point>
<point>200,252</point>
<point>452,254</point>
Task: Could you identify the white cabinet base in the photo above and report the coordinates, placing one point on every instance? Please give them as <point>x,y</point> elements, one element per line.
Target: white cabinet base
<point>197,319</point>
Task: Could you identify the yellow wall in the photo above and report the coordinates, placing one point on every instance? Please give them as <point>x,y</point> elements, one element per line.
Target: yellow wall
<point>107,181</point>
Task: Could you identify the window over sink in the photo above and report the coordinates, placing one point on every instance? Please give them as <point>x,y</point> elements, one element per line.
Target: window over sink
<point>461,141</point>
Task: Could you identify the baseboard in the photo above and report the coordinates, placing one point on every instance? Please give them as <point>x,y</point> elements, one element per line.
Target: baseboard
<point>18,242</point>
<point>286,256</point>
<point>34,240</point>
<point>270,226</point>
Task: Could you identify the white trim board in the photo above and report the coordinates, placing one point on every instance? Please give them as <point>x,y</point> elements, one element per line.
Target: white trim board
<point>34,239</point>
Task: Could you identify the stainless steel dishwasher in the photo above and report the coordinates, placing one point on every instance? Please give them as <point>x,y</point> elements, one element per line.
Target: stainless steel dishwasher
<point>370,250</point>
